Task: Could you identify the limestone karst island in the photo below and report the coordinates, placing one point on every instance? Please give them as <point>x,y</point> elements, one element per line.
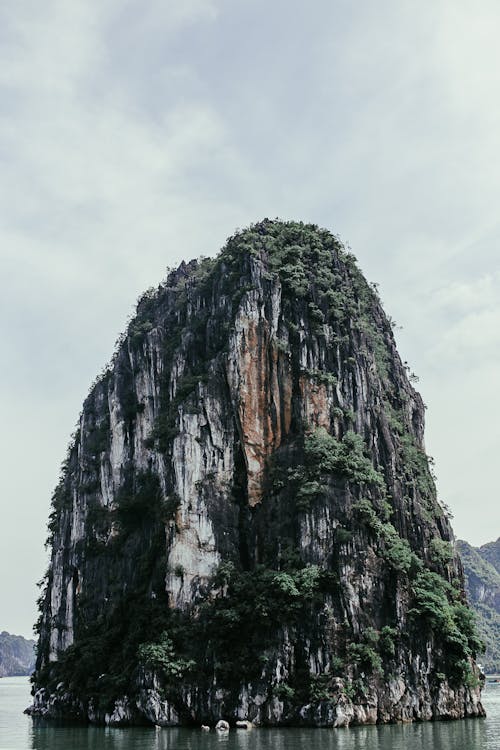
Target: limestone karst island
<point>246,527</point>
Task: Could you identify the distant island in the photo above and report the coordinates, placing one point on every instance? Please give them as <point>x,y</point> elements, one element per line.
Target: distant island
<point>482,577</point>
<point>17,655</point>
<point>246,525</point>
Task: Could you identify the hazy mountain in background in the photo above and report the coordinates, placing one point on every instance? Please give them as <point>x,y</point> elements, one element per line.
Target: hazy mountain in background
<point>17,655</point>
<point>482,575</point>
<point>246,524</point>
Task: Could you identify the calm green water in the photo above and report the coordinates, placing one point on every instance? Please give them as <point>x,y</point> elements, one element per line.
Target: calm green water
<point>19,732</point>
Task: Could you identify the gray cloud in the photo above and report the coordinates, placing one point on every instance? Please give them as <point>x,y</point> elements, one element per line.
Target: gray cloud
<point>133,137</point>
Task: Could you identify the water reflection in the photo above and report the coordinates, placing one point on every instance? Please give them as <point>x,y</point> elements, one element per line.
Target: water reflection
<point>459,735</point>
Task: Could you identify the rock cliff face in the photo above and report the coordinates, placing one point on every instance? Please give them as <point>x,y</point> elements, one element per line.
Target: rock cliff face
<point>246,526</point>
<point>482,578</point>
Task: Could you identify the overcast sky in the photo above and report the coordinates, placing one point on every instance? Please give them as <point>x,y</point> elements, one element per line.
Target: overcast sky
<point>134,135</point>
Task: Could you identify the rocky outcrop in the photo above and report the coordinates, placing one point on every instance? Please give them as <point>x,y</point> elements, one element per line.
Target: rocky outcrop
<point>482,578</point>
<point>491,553</point>
<point>246,527</point>
<point>17,655</point>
